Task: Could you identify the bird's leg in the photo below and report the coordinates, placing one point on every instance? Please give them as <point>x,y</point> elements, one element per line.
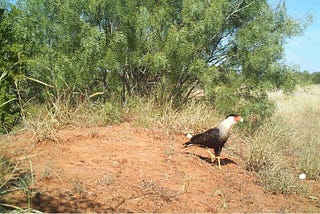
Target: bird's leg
<point>219,165</point>
<point>213,157</point>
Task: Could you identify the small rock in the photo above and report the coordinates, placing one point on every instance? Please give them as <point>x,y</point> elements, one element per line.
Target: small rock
<point>302,176</point>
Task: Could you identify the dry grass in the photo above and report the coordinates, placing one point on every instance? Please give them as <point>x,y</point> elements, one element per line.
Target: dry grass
<point>279,151</point>
<point>288,144</point>
<point>15,179</point>
<point>44,121</point>
<point>191,118</point>
<point>301,112</point>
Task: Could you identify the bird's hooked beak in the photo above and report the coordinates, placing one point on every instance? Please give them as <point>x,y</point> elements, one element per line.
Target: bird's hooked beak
<point>239,119</point>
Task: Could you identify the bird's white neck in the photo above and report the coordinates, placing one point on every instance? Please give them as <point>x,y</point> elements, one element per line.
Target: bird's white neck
<point>226,125</point>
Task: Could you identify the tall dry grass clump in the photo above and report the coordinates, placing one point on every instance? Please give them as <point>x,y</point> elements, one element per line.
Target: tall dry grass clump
<point>194,117</point>
<point>45,120</point>
<point>288,144</point>
<point>190,118</point>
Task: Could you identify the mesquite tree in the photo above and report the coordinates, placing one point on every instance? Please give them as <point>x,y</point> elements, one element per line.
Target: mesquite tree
<point>230,49</point>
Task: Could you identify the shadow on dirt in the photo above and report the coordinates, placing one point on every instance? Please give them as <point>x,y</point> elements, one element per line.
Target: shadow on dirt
<point>223,161</point>
<point>63,203</point>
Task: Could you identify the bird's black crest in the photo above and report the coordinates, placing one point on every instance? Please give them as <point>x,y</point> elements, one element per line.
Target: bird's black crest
<point>234,115</point>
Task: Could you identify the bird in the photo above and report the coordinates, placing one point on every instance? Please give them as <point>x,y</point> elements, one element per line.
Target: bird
<point>215,138</point>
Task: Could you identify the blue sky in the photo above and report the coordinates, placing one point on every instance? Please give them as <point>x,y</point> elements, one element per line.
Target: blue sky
<point>304,50</point>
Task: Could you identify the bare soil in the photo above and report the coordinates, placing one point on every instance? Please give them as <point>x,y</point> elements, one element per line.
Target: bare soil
<point>124,168</point>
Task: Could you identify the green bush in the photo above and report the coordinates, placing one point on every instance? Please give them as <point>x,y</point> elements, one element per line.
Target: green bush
<point>113,113</point>
<point>9,110</point>
<point>250,102</point>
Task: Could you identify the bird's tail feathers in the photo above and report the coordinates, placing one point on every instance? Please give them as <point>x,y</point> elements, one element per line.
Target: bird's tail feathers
<point>187,144</point>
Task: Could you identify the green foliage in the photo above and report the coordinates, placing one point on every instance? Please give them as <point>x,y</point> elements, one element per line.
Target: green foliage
<point>315,78</point>
<point>260,46</point>
<point>113,113</point>
<point>247,99</point>
<point>9,110</point>
<point>307,78</point>
<point>231,50</point>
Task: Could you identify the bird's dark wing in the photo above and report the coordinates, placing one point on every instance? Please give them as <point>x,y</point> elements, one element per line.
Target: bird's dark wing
<point>208,139</point>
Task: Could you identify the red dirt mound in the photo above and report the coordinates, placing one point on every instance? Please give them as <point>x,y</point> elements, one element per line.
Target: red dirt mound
<point>124,168</point>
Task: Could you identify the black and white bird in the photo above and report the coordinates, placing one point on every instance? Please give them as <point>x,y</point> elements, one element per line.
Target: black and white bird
<point>215,138</point>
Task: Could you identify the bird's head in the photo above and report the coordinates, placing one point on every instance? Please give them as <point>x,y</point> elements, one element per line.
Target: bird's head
<point>226,125</point>
<point>234,118</point>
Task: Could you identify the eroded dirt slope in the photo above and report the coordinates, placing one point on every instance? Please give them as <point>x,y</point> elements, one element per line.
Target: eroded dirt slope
<point>124,168</point>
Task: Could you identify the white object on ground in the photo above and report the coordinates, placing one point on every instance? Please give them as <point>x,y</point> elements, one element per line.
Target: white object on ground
<point>302,176</point>
<point>189,136</point>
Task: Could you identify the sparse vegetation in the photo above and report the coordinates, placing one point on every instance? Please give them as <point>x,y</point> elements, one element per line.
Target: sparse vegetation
<point>146,63</point>
<point>14,179</point>
<point>281,180</point>
<point>301,113</point>
<point>287,145</point>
